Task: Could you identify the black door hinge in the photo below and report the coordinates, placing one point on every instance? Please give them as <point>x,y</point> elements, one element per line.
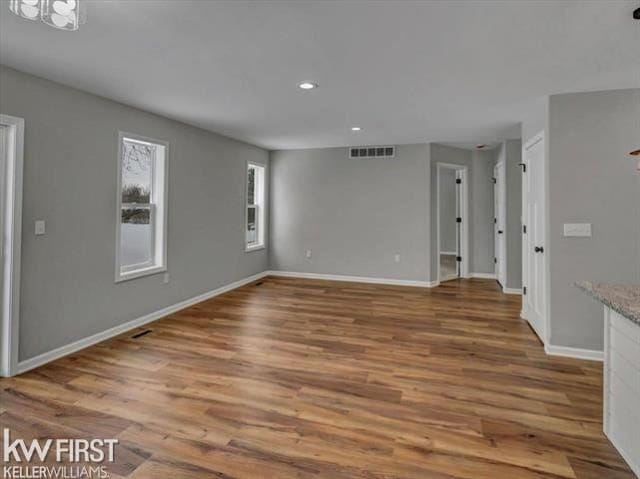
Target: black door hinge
<point>494,180</point>
<point>459,259</point>
<point>495,221</point>
<point>458,220</point>
<point>458,181</point>
<point>524,290</point>
<point>524,229</point>
<point>495,260</point>
<point>524,167</point>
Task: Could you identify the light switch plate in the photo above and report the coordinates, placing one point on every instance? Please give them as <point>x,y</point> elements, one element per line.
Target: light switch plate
<point>577,230</point>
<point>40,227</point>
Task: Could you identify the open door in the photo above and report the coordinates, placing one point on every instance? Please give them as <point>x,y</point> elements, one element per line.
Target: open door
<point>449,234</point>
<point>452,223</point>
<point>11,151</point>
<point>500,223</point>
<point>3,162</point>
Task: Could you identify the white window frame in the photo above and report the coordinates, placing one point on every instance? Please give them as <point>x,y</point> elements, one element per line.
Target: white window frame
<point>158,213</point>
<point>259,205</point>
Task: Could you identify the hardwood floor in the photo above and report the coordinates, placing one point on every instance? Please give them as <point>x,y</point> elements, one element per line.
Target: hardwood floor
<point>292,378</point>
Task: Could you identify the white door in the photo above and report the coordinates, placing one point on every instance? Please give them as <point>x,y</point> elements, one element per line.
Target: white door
<point>499,224</point>
<point>534,304</point>
<point>458,223</point>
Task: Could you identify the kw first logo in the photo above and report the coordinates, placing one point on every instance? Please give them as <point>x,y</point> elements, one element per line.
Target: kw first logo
<point>69,450</point>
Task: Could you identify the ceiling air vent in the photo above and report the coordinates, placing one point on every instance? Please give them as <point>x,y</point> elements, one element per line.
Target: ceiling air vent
<point>372,152</point>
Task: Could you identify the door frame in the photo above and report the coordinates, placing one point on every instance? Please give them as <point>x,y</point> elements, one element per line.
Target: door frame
<point>11,225</point>
<point>464,209</point>
<point>500,186</point>
<point>544,335</point>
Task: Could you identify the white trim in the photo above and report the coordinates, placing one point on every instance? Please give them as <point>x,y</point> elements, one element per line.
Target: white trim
<point>12,232</point>
<point>140,272</point>
<point>449,253</point>
<point>355,279</point>
<point>62,351</point>
<point>160,180</point>
<point>464,214</point>
<point>512,290</point>
<point>260,199</point>
<point>578,353</point>
<point>628,457</point>
<point>483,275</point>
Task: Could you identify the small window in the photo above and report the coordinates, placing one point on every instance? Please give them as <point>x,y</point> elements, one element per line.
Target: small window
<point>142,213</point>
<point>254,226</point>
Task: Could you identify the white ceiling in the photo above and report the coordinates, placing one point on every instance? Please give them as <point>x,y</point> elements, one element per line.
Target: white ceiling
<point>407,72</point>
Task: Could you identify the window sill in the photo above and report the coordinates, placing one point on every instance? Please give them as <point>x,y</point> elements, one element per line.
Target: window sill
<point>249,249</point>
<point>139,273</point>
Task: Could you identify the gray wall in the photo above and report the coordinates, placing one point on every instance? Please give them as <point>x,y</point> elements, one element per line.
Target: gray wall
<point>510,152</point>
<point>71,143</point>
<point>354,215</point>
<point>591,180</point>
<point>448,214</point>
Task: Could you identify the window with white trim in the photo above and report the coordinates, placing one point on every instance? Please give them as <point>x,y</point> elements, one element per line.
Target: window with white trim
<point>254,224</point>
<point>142,211</point>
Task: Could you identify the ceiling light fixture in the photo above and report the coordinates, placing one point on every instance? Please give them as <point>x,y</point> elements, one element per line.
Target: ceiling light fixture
<point>356,128</point>
<point>636,153</point>
<point>61,14</point>
<point>307,85</point>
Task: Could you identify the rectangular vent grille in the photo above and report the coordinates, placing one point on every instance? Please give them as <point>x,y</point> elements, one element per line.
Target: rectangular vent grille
<point>372,152</point>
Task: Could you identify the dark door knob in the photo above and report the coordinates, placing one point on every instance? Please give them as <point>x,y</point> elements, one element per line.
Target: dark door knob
<point>538,249</point>
<point>500,232</point>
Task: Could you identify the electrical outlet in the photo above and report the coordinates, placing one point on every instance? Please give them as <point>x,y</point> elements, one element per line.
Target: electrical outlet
<point>40,227</point>
<point>307,254</point>
<point>396,258</point>
<point>166,278</point>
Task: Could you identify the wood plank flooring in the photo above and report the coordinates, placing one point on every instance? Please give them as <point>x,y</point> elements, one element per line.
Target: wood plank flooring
<point>291,378</point>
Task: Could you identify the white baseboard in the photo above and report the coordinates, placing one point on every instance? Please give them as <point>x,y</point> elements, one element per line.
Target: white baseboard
<point>512,290</point>
<point>355,279</point>
<point>483,275</point>
<point>62,351</point>
<point>577,353</point>
<point>628,457</point>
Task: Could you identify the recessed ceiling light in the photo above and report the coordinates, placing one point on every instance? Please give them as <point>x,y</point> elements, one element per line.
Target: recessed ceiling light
<point>307,85</point>
<point>356,128</point>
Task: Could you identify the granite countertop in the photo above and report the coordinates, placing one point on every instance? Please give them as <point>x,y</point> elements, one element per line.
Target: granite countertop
<point>622,298</point>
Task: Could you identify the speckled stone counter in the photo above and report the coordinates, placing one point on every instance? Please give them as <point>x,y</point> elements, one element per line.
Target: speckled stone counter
<point>622,298</point>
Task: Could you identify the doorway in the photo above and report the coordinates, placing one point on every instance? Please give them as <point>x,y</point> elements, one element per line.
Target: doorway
<point>534,265</point>
<point>11,159</point>
<point>500,223</point>
<point>452,234</point>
